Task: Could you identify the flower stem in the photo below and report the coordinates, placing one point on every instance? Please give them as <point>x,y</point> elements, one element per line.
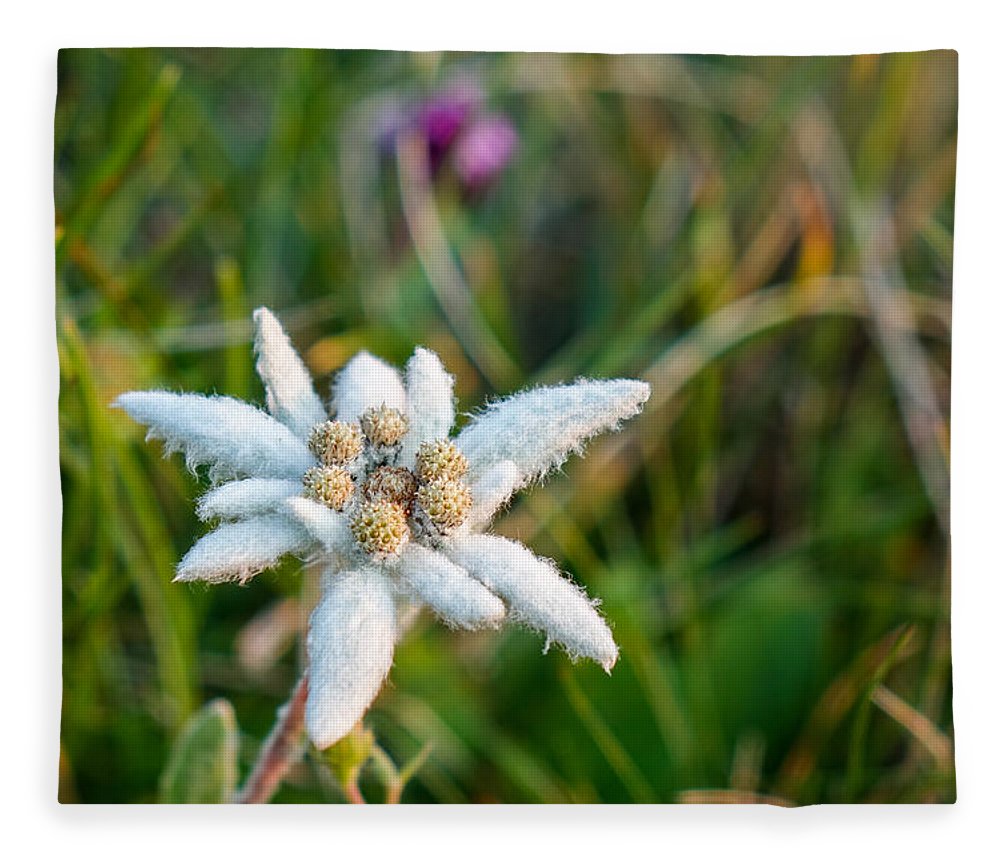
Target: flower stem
<point>352,792</point>
<point>282,749</point>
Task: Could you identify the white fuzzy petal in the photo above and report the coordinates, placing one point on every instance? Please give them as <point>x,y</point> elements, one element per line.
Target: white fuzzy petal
<point>491,489</point>
<point>430,400</point>
<point>233,438</point>
<point>241,549</point>
<point>246,498</point>
<point>328,527</point>
<point>366,382</point>
<point>538,429</point>
<point>352,632</point>
<point>537,595</point>
<point>291,397</point>
<point>454,595</point>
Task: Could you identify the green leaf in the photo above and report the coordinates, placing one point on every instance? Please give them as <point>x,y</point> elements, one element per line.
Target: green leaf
<point>202,766</point>
<point>346,757</point>
<point>759,662</point>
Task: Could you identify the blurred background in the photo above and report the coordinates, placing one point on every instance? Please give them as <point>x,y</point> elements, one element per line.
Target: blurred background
<point>768,241</point>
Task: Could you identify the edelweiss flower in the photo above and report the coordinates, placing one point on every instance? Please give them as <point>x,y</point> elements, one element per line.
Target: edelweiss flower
<point>393,507</point>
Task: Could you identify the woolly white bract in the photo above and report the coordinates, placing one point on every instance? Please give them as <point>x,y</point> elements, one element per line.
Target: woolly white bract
<point>470,580</point>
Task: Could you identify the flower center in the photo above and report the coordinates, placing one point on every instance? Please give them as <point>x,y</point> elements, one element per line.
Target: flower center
<point>384,427</point>
<point>444,503</point>
<point>380,528</point>
<point>394,504</point>
<point>336,442</point>
<point>331,485</point>
<point>440,460</point>
<point>391,484</point>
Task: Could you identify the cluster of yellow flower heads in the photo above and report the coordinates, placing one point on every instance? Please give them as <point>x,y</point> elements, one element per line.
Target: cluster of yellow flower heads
<point>443,497</point>
<point>394,503</point>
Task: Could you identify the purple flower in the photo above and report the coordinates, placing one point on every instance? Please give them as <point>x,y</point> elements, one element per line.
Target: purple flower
<point>484,149</point>
<point>452,123</point>
<point>442,116</point>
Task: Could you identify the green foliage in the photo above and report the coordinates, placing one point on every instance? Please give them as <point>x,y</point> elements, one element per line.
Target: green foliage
<point>346,757</point>
<point>759,653</point>
<point>759,537</point>
<point>202,765</point>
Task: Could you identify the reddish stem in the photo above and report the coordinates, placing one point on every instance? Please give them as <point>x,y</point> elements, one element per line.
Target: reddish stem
<point>282,749</point>
<point>353,793</point>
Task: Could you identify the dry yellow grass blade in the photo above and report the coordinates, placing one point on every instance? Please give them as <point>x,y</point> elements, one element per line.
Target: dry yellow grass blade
<point>729,795</point>
<point>936,742</point>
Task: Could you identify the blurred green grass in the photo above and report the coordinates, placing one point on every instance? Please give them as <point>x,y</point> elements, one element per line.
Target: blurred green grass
<point>768,539</point>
